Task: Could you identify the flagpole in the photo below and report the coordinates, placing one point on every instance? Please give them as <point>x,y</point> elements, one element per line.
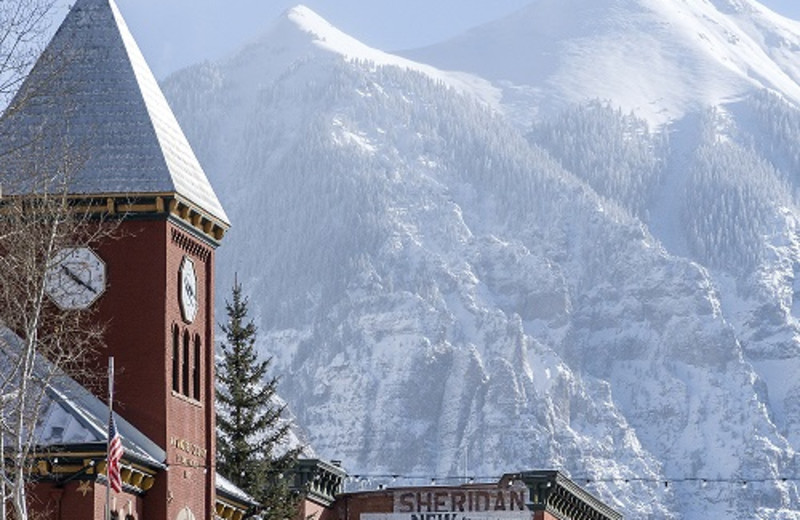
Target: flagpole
<point>108,439</point>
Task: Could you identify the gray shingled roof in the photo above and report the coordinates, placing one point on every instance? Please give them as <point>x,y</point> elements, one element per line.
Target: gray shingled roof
<point>71,414</point>
<point>92,92</point>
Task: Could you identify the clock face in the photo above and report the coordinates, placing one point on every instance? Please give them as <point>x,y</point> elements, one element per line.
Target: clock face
<point>188,294</point>
<point>75,278</point>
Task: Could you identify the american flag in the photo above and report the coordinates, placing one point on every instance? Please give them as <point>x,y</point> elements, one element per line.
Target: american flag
<point>114,456</point>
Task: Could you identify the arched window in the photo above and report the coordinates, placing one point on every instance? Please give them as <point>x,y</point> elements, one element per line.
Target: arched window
<point>176,359</point>
<point>185,514</point>
<point>196,368</point>
<point>185,363</point>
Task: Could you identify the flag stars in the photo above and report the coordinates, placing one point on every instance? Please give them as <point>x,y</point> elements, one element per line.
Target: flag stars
<point>84,488</point>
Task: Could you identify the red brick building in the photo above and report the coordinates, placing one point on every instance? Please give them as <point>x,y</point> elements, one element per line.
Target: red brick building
<point>152,285</point>
<point>530,495</point>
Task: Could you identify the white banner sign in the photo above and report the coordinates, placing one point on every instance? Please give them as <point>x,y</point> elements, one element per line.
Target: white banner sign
<point>461,500</point>
<point>484,515</point>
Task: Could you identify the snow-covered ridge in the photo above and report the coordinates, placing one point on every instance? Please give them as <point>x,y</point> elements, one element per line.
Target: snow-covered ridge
<point>661,59</point>
<point>300,30</point>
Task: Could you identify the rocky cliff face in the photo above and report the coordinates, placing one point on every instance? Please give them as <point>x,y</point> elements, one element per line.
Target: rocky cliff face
<point>452,287</point>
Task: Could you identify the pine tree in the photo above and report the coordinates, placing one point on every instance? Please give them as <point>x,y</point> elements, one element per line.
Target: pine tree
<point>249,428</point>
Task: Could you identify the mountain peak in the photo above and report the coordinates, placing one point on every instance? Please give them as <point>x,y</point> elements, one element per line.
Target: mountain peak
<point>309,21</point>
<point>322,33</point>
<point>301,29</point>
<point>300,33</point>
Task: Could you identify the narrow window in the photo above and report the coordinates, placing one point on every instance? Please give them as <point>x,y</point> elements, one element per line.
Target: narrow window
<point>176,359</point>
<point>185,363</point>
<point>196,368</point>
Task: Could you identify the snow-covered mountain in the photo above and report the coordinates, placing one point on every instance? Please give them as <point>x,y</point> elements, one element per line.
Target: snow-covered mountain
<point>458,281</point>
<point>662,59</point>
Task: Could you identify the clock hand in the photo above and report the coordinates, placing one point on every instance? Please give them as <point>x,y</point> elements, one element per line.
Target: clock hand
<point>74,277</point>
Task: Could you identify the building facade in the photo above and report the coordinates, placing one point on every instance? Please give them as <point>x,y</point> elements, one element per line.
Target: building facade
<point>92,98</point>
<point>529,495</point>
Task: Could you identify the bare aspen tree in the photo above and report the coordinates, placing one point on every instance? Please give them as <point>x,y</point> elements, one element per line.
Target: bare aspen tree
<point>23,27</point>
<point>38,218</point>
<point>43,342</point>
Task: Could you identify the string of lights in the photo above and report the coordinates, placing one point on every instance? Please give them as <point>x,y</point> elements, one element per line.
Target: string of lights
<point>399,478</point>
<point>663,481</point>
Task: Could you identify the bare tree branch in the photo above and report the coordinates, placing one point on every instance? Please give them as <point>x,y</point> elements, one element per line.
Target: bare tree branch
<point>38,340</point>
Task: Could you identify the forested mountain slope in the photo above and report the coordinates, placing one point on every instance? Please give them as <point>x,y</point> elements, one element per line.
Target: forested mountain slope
<point>450,291</point>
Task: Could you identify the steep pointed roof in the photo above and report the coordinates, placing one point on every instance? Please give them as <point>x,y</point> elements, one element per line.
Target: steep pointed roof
<point>93,92</point>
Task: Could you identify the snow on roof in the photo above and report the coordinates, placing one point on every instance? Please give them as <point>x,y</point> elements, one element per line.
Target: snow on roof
<point>71,414</point>
<point>229,488</point>
<point>93,92</point>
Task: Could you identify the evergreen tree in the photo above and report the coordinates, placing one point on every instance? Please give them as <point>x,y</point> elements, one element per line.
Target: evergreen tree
<point>250,433</point>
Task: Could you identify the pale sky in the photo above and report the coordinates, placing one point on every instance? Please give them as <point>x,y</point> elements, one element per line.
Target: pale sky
<point>176,33</point>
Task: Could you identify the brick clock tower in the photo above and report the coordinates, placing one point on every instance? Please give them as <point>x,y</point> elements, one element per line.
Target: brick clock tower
<point>153,283</point>
<point>159,309</point>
